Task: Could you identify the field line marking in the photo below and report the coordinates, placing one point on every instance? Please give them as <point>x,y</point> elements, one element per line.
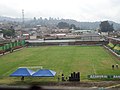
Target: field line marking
<point>32,67</point>
<point>8,71</point>
<point>93,67</point>
<point>113,86</point>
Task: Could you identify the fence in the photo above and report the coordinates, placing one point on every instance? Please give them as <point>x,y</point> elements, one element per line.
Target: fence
<point>9,47</point>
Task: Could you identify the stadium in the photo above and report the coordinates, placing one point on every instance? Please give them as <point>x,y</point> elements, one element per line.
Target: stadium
<point>92,60</point>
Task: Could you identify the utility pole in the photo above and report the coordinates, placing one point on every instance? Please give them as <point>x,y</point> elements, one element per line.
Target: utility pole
<point>22,23</point>
<point>23,17</point>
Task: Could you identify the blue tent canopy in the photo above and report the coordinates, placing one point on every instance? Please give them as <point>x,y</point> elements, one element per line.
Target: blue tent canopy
<point>22,72</point>
<point>44,73</point>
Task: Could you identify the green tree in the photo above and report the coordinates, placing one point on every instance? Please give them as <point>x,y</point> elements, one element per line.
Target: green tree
<point>63,25</point>
<point>106,27</point>
<point>74,26</point>
<point>8,33</point>
<point>34,18</point>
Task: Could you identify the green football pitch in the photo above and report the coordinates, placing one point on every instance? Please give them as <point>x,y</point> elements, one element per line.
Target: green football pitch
<point>62,59</point>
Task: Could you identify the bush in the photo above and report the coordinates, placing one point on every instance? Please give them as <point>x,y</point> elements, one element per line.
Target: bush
<point>110,45</point>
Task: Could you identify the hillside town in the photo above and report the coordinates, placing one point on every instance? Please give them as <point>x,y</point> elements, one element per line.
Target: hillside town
<point>16,30</point>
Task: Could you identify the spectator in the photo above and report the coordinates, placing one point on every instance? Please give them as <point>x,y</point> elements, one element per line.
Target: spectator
<point>112,66</point>
<point>66,79</point>
<point>63,77</point>
<point>58,78</point>
<point>22,78</point>
<point>117,66</point>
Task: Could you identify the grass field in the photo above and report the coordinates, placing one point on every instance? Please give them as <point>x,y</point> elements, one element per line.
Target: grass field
<point>62,59</point>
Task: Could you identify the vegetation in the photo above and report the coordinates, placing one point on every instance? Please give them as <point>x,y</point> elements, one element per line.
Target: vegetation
<point>8,33</point>
<point>106,27</point>
<point>117,49</point>
<point>84,59</point>
<point>110,45</point>
<point>74,27</point>
<point>114,47</point>
<point>63,25</point>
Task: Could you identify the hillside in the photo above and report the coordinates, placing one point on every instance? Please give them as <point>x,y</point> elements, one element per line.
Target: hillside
<point>53,22</point>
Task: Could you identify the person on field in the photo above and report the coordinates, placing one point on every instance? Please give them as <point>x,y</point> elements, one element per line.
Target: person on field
<point>58,78</point>
<point>117,66</point>
<point>22,78</point>
<point>112,66</point>
<point>63,79</point>
<point>66,79</point>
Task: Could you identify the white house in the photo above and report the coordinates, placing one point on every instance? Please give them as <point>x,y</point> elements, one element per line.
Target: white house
<point>1,34</point>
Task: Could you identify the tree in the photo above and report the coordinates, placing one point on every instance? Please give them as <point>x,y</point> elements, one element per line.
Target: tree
<point>106,27</point>
<point>63,25</point>
<point>73,26</point>
<point>34,18</point>
<point>9,32</point>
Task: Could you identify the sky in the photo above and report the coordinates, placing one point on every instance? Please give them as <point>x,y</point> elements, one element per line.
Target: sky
<point>80,10</point>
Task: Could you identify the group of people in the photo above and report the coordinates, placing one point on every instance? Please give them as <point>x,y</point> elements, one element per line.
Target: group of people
<point>62,78</point>
<point>115,66</point>
<point>74,76</point>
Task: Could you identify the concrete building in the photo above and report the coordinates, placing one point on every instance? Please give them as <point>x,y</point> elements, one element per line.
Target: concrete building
<point>79,32</point>
<point>1,34</point>
<point>90,37</point>
<point>57,31</point>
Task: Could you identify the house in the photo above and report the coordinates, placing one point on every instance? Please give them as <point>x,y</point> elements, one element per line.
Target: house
<point>81,31</point>
<point>104,33</point>
<point>57,31</point>
<point>90,37</point>
<point>1,34</point>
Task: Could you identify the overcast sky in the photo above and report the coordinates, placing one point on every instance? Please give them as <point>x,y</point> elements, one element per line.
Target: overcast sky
<point>80,10</point>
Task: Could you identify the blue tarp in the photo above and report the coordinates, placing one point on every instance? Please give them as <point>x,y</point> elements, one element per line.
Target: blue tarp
<point>44,73</point>
<point>22,72</point>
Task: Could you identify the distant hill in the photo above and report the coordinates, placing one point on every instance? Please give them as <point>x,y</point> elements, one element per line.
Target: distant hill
<point>54,22</point>
<point>2,18</point>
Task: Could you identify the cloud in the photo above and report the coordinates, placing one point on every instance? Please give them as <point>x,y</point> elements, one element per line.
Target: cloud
<point>81,10</point>
<point>8,11</point>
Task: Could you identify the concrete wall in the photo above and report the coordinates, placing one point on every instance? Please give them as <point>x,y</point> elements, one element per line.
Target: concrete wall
<point>67,43</point>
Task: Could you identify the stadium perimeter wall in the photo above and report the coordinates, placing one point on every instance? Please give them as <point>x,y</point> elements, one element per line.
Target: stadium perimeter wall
<point>62,43</point>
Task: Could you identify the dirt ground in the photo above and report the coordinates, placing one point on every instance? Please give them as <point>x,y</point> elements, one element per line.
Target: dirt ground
<point>83,84</point>
<point>102,85</point>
